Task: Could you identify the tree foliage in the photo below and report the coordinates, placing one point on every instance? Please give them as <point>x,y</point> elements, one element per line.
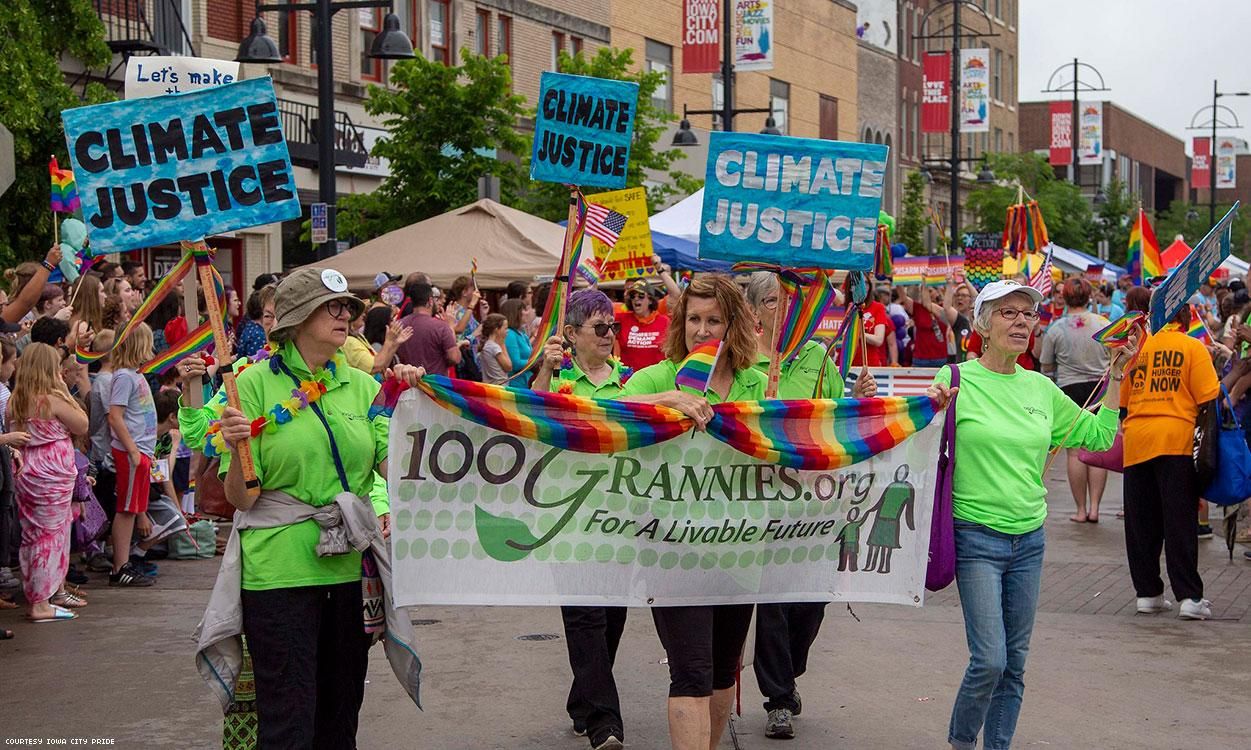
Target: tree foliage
<point>1173,221</point>
<point>910,230</point>
<point>1113,220</point>
<point>1066,214</point>
<point>551,201</point>
<point>444,124</point>
<point>36,34</point>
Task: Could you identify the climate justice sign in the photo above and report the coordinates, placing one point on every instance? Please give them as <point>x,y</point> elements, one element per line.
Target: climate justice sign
<point>583,129</point>
<point>484,515</point>
<point>799,202</point>
<point>162,169</point>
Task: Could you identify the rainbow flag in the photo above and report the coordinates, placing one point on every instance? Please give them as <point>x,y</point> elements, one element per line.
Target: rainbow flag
<point>64,190</point>
<point>810,296</point>
<point>195,340</point>
<point>1116,333</point>
<point>1144,259</point>
<point>851,336</point>
<point>1197,328</point>
<point>695,372</point>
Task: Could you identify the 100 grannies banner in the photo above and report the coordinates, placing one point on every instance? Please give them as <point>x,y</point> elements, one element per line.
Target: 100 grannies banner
<point>503,496</point>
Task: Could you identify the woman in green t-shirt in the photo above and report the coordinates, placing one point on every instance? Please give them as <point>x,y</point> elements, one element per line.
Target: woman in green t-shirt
<point>302,612</point>
<point>704,643</point>
<point>1007,420</point>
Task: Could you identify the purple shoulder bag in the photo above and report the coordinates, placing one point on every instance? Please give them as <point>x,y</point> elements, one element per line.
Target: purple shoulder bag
<point>941,570</point>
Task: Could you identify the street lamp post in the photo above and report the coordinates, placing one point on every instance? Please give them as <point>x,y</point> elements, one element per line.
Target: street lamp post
<point>957,30</point>
<point>1215,123</point>
<point>685,136</point>
<point>391,44</point>
<point>1078,86</point>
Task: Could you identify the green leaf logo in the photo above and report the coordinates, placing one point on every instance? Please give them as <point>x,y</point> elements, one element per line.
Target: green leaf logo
<point>504,539</point>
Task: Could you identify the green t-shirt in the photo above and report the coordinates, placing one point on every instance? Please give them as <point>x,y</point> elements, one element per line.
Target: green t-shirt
<point>1005,424</point>
<point>581,385</point>
<point>797,379</point>
<point>296,459</point>
<point>748,385</point>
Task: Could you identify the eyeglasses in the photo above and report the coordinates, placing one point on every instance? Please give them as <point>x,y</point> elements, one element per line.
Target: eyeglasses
<point>770,303</point>
<point>602,329</point>
<point>1011,313</point>
<point>339,308</point>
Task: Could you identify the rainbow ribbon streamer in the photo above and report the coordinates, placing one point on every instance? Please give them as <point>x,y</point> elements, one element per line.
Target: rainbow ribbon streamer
<point>196,340</point>
<point>64,189</point>
<point>883,264</point>
<point>807,435</point>
<point>159,292</point>
<point>1024,231</point>
<point>811,294</point>
<point>851,338</point>
<point>1117,333</point>
<point>558,297</point>
<point>695,372</point>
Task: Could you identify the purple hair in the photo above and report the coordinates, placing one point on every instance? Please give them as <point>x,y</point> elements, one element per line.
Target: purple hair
<point>585,304</point>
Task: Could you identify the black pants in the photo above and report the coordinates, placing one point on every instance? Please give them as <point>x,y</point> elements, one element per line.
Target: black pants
<point>106,491</point>
<point>309,653</point>
<point>784,635</point>
<point>592,635</point>
<point>704,646</point>
<point>1161,509</point>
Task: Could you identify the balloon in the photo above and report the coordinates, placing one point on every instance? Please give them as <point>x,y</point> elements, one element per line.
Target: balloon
<point>888,220</point>
<point>898,250</point>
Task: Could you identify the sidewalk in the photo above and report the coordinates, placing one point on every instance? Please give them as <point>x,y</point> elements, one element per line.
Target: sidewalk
<point>1099,676</point>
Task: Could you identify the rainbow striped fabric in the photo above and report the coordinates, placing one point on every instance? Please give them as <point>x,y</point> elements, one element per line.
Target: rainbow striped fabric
<point>695,372</point>
<point>883,263</point>
<point>64,190</point>
<point>851,338</point>
<point>1197,329</point>
<point>807,435</point>
<point>1024,231</point>
<point>195,340</point>
<point>1117,333</point>
<point>1144,259</point>
<point>809,295</point>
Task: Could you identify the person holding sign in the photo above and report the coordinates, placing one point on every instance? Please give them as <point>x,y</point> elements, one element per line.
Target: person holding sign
<point>592,633</point>
<point>703,643</point>
<point>1007,421</point>
<point>301,601</point>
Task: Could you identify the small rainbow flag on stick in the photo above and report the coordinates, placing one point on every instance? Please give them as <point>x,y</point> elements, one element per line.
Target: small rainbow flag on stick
<point>1144,259</point>
<point>64,190</point>
<point>695,373</point>
<point>1198,329</point>
<point>1116,334</point>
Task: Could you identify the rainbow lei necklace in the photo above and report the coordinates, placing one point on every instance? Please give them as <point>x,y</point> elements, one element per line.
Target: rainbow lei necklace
<point>279,414</point>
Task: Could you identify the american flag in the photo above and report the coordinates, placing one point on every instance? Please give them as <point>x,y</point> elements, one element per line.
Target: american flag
<point>603,223</point>
<point>1042,280</point>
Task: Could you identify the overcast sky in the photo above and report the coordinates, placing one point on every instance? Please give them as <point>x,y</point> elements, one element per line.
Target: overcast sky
<point>1158,57</point>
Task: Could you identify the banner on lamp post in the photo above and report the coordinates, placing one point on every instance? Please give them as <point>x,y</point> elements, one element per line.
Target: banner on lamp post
<point>1090,141</point>
<point>975,90</point>
<point>753,35</point>
<point>936,93</point>
<point>1200,177</point>
<point>1061,133</point>
<point>1226,164</point>
<point>701,36</point>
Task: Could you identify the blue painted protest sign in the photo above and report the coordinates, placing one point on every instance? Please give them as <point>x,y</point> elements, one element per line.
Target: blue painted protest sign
<point>583,129</point>
<point>798,202</point>
<point>168,168</point>
<point>1184,280</point>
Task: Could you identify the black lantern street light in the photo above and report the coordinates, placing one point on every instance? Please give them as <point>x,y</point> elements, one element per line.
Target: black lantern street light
<point>390,44</point>
<point>1216,122</point>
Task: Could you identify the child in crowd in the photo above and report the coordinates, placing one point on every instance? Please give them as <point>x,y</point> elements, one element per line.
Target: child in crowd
<point>494,359</point>
<point>163,509</point>
<point>100,453</point>
<point>42,407</point>
<point>132,421</point>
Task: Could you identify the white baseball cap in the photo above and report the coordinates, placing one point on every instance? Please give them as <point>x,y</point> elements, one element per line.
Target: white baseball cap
<point>1000,289</point>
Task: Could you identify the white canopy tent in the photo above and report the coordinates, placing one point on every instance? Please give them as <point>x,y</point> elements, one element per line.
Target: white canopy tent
<point>682,218</point>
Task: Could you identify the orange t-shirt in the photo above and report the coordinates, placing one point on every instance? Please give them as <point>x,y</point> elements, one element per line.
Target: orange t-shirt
<point>1171,379</point>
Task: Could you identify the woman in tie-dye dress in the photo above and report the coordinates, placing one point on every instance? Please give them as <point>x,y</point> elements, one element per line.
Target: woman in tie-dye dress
<point>42,407</point>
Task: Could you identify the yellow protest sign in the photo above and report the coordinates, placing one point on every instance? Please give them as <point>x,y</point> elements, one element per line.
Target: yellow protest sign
<point>632,256</point>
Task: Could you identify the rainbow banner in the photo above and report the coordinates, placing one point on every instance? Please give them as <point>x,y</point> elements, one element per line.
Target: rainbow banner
<point>934,269</point>
<point>695,372</point>
<point>1144,259</point>
<point>556,499</point>
<point>64,190</point>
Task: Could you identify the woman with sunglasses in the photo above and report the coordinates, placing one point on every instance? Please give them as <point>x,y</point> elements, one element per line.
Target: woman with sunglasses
<point>299,598</point>
<point>1007,420</point>
<point>703,643</point>
<point>591,633</point>
<point>641,340</point>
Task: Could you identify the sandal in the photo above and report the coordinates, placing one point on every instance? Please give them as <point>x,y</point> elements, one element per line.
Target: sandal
<point>58,614</point>
<point>6,604</point>
<point>67,599</point>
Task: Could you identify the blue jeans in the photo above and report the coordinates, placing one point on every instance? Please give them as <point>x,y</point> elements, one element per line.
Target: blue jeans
<point>999,577</point>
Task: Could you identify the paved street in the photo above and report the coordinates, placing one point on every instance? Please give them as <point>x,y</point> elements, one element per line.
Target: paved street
<point>1099,676</point>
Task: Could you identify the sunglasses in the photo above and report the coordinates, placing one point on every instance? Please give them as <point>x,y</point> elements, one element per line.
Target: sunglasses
<point>602,329</point>
<point>636,295</point>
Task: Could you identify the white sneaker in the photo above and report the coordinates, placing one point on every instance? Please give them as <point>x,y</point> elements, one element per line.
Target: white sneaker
<point>1195,609</point>
<point>1150,605</point>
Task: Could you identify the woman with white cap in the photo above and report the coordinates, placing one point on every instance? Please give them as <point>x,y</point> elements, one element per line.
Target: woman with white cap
<point>302,602</point>
<point>1007,420</point>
